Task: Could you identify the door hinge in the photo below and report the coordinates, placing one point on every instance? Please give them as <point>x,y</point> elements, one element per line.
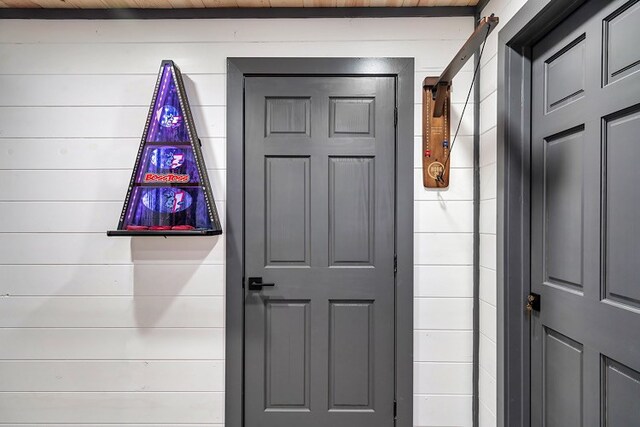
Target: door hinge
<point>395,409</point>
<point>395,116</point>
<point>395,264</point>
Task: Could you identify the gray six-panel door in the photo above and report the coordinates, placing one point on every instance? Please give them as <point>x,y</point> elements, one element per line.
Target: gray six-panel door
<point>319,225</point>
<point>585,227</point>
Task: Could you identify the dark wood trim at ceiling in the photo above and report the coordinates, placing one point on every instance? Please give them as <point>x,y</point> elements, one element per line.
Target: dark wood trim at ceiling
<point>242,13</point>
<point>481,5</point>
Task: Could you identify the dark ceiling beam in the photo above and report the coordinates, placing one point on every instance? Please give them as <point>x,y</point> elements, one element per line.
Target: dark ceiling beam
<point>481,5</point>
<point>241,13</point>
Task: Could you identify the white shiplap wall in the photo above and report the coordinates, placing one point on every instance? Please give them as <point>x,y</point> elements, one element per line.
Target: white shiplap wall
<point>505,10</point>
<point>120,331</point>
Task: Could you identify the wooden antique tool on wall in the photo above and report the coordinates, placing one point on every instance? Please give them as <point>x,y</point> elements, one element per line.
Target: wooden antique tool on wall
<point>436,109</point>
<point>435,136</point>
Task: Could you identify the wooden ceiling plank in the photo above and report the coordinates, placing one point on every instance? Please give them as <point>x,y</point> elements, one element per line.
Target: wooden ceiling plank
<point>88,4</point>
<point>21,4</point>
<point>56,4</point>
<point>119,4</point>
<point>153,4</point>
<point>326,3</point>
<point>286,3</point>
<point>253,3</point>
<point>220,3</point>
<point>95,4</point>
<point>186,4</point>
<point>353,3</point>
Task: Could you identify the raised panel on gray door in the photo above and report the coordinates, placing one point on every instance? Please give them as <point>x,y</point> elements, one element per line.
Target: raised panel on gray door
<point>585,199</point>
<point>319,225</point>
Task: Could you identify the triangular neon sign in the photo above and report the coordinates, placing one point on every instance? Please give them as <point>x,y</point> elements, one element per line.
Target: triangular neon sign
<point>169,192</point>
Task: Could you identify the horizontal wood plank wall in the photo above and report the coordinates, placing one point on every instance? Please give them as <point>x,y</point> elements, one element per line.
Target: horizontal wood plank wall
<point>119,331</point>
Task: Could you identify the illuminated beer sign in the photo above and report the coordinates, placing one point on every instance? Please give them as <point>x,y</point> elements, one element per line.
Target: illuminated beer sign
<point>166,177</point>
<point>169,193</point>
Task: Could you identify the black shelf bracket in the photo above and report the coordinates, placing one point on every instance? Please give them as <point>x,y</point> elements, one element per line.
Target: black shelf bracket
<point>164,233</point>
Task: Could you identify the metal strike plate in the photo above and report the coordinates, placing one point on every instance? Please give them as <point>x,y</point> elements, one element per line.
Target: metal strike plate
<point>533,302</point>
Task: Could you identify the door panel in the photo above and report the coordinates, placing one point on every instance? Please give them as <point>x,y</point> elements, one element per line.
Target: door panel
<point>351,117</point>
<point>319,225</point>
<point>563,380</point>
<point>288,117</point>
<point>351,210</point>
<point>621,394</point>
<point>621,195</point>
<point>351,339</point>
<point>569,61</point>
<point>584,229</point>
<point>287,214</point>
<point>621,33</point>
<point>563,201</point>
<point>287,346</point>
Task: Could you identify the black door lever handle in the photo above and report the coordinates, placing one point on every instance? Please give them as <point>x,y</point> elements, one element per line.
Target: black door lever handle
<point>255,284</point>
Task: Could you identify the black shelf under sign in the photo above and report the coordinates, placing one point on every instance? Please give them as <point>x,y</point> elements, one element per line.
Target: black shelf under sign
<point>169,193</point>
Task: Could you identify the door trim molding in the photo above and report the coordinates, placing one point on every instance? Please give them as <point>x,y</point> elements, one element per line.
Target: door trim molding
<point>402,69</point>
<point>515,43</point>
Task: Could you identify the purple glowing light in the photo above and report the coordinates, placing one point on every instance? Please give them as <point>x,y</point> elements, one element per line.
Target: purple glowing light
<point>167,123</point>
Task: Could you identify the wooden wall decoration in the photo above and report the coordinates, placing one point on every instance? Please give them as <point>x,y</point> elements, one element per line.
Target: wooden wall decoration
<point>436,108</point>
<point>436,138</point>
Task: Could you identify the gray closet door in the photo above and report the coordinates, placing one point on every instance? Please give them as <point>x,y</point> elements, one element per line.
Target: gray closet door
<point>319,225</point>
<point>585,253</point>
